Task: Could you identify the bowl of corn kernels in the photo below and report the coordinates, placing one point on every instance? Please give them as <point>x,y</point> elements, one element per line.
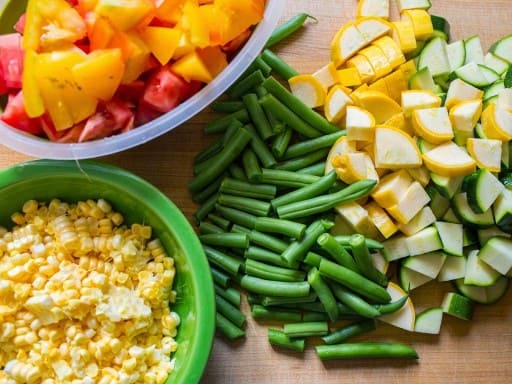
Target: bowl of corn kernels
<point>102,279</point>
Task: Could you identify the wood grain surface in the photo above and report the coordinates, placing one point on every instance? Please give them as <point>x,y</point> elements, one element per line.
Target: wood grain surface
<point>479,351</point>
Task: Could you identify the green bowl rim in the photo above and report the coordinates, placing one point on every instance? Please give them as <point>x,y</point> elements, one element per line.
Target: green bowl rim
<point>182,233</point>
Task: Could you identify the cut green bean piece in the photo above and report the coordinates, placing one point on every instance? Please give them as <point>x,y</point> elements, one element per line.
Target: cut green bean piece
<point>370,243</point>
<point>228,263</point>
<point>227,328</point>
<point>354,281</point>
<point>233,148</point>
<point>317,169</point>
<point>354,302</point>
<point>219,277</point>
<point>219,221</point>
<point>260,64</point>
<point>274,288</point>
<point>237,216</point>
<point>245,189</point>
<point>278,65</point>
<point>257,115</point>
<point>268,241</point>
<point>303,161</point>
<point>279,339</point>
<point>306,146</point>
<point>314,316</point>
<point>302,110</point>
<point>261,149</point>
<point>207,228</point>
<point>252,298</point>
<point>324,293</point>
<point>365,350</point>
<point>260,312</point>
<point>230,131</point>
<point>313,259</point>
<point>229,311</point>
<point>271,272</point>
<point>209,151</point>
<point>246,204</point>
<point>281,141</point>
<point>337,252</point>
<point>206,208</point>
<point>251,166</point>
<point>265,256</point>
<point>277,301</point>
<point>220,125</point>
<point>283,227</point>
<point>226,240</point>
<point>364,261</point>
<point>385,309</point>
<point>227,106</point>
<point>246,84</point>
<point>342,334</point>
<point>286,178</point>
<point>236,172</point>
<point>287,28</point>
<point>312,328</point>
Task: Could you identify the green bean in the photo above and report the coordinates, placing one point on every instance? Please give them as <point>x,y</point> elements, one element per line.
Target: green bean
<point>326,202</point>
<point>246,84</point>
<point>246,204</point>
<point>281,142</point>
<point>260,64</point>
<point>274,288</point>
<point>260,91</point>
<point>251,165</point>
<point>354,302</point>
<point>311,190</point>
<point>268,301</point>
<point>220,125</point>
<point>297,250</point>
<point>303,161</point>
<point>264,255</point>
<point>227,106</point>
<point>260,312</point>
<point>277,125</point>
<point>270,272</point>
<point>347,313</point>
<point>312,328</point>
<point>392,307</point>
<point>309,307</point>
<point>364,260</point>
<point>272,105</point>
<point>348,331</point>
<point>286,29</point>
<point>278,65</point>
<point>313,259</point>
<point>236,216</point>
<point>261,150</point>
<point>252,298</point>
<point>306,146</point>
<point>227,328</point>
<point>219,221</point>
<point>237,172</point>
<point>370,243</point>
<point>268,241</point>
<point>337,252</point>
<point>245,189</point>
<point>314,316</point>
<point>365,350</point>
<point>258,117</point>
<point>228,263</point>
<point>286,178</point>
<point>229,311</point>
<point>206,228</point>
<point>207,207</point>
<point>226,240</point>
<point>219,277</point>
<point>303,111</point>
<point>233,148</point>
<point>283,227</point>
<point>230,131</point>
<point>279,339</point>
<point>209,151</point>
<point>317,169</point>
<point>324,293</point>
<point>354,281</point>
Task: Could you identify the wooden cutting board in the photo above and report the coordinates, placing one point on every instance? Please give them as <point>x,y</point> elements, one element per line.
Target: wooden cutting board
<point>479,351</point>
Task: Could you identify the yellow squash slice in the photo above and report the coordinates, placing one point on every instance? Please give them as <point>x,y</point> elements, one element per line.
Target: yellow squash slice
<point>308,89</point>
<point>381,106</point>
<point>360,124</point>
<point>448,159</point>
<point>486,152</point>
<point>395,149</point>
<point>433,124</point>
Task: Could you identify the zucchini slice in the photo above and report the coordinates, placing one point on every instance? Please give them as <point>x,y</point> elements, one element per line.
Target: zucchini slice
<point>482,188</point>
<point>484,295</point>
<point>478,272</point>
<point>497,253</point>
<point>467,215</point>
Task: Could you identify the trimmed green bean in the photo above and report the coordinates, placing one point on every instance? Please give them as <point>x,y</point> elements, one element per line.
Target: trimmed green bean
<point>364,260</point>
<point>342,334</point>
<point>365,350</point>
<point>354,302</point>
<point>236,216</point>
<point>317,169</point>
<point>220,125</point>
<point>245,189</point>
<point>279,339</point>
<point>283,227</point>
<point>392,307</point>
<point>268,241</point>
<point>226,240</point>
<point>272,105</point>
<point>260,64</point>
<point>314,316</point>
<point>278,65</point>
<point>219,277</point>
<point>313,259</point>
<point>260,91</point>
<point>261,149</point>
<point>281,142</point>
<point>251,165</point>
<point>337,252</point>
<point>277,125</point>
<point>246,204</point>
<point>307,114</point>
<point>258,117</point>
<point>268,301</point>
<point>314,189</point>
<point>286,178</point>
<point>253,298</point>
<point>219,221</point>
<point>207,228</point>
<point>297,250</point>
<point>233,148</point>
<point>260,312</point>
<point>370,243</point>
<point>229,311</point>
<point>270,272</point>
<point>306,146</point>
<point>326,202</point>
<point>236,172</point>
<point>227,106</point>
<point>228,263</point>
<point>264,255</point>
<point>246,84</point>
<point>355,281</point>
<point>207,207</point>
<point>287,28</point>
<point>227,328</point>
<point>303,161</point>
<point>324,293</point>
<point>209,151</point>
<point>230,131</point>
<point>306,329</point>
<point>274,288</point>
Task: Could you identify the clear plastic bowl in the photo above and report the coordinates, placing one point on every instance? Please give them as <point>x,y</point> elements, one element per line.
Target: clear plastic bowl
<point>42,148</point>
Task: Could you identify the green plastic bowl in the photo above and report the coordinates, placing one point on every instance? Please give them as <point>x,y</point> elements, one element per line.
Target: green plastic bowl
<point>140,202</point>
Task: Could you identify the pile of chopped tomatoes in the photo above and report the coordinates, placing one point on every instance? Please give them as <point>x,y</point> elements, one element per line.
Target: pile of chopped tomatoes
<point>79,70</point>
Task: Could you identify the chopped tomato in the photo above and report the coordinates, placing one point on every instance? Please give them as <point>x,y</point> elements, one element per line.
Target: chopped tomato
<point>145,113</point>
<point>165,90</point>
<point>111,117</point>
<point>16,116</point>
<point>234,45</point>
<point>20,24</point>
<point>3,86</point>
<point>131,93</point>
<point>11,59</point>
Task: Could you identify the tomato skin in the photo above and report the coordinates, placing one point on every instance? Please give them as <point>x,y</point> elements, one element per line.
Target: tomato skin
<point>16,116</point>
<point>165,90</point>
<point>3,86</point>
<point>112,117</point>
<point>145,114</point>
<point>20,24</point>
<point>11,59</point>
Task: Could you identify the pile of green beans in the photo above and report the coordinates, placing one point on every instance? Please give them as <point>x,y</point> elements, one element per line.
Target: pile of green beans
<point>264,216</point>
